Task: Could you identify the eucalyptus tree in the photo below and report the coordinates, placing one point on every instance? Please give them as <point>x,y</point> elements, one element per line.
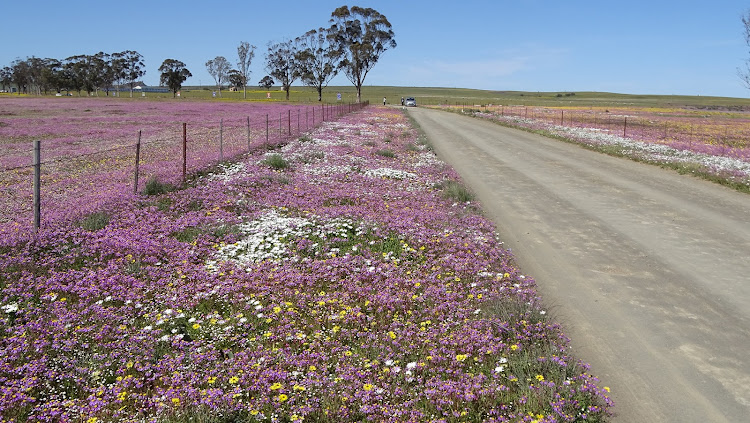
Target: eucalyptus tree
<point>133,67</point>
<point>281,63</point>
<point>235,78</point>
<point>51,75</point>
<point>118,64</point>
<point>744,74</point>
<point>6,78</point>
<point>219,68</point>
<point>317,59</point>
<point>173,74</point>
<point>267,82</point>
<point>245,55</point>
<point>105,71</point>
<point>82,73</point>
<point>361,36</point>
<point>20,74</point>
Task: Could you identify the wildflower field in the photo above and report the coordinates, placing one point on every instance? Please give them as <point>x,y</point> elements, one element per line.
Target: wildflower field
<point>344,276</point>
<point>88,146</point>
<point>707,143</point>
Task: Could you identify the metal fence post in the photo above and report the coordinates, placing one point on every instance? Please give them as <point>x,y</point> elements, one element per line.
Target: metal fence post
<point>37,181</point>
<point>184,151</point>
<point>221,140</point>
<point>248,134</point>
<point>137,162</point>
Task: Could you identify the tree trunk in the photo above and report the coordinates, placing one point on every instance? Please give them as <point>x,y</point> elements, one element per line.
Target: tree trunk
<point>244,91</point>
<point>320,93</point>
<point>359,93</point>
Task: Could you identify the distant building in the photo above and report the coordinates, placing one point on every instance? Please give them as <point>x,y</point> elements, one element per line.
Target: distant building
<point>143,88</point>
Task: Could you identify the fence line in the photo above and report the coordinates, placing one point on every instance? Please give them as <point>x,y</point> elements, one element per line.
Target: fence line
<point>235,137</point>
<point>733,135</point>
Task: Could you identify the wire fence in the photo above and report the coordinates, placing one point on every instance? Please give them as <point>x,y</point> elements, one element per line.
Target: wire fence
<point>723,136</point>
<point>74,185</point>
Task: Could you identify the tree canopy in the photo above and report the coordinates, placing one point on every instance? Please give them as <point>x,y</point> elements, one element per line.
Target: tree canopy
<point>361,36</point>
<point>245,55</point>
<point>281,63</point>
<point>173,74</point>
<point>219,68</point>
<point>317,59</point>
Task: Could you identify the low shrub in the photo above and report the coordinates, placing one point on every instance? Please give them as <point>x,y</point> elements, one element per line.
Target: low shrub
<point>155,187</point>
<point>454,190</point>
<point>95,221</point>
<point>386,153</point>
<point>275,161</point>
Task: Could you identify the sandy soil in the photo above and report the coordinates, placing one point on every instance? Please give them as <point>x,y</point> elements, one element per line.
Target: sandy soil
<point>648,270</point>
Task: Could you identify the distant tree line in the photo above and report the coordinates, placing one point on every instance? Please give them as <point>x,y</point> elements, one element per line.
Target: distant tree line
<point>352,44</point>
<point>89,73</point>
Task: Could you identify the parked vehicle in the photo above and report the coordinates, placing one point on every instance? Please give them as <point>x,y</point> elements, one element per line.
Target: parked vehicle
<point>410,102</point>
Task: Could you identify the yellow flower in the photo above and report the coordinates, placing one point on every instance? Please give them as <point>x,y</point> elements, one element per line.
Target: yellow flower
<point>211,380</point>
<point>283,397</point>
<point>367,387</point>
<point>392,335</point>
<point>299,388</point>
<point>276,386</point>
<point>540,378</point>
<point>312,368</point>
<point>196,326</point>
<point>92,420</point>
<point>233,380</point>
<point>461,357</point>
<point>129,365</point>
<point>277,309</point>
<point>514,347</point>
<point>176,401</point>
<point>121,396</point>
<point>348,353</point>
<point>606,388</point>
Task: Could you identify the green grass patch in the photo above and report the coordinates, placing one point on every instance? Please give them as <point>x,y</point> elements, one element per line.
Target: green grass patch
<point>455,191</point>
<point>386,153</point>
<point>94,221</point>
<point>155,187</point>
<point>276,162</point>
<point>188,234</point>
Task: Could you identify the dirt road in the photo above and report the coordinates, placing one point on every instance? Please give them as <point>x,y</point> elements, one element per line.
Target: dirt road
<point>648,270</point>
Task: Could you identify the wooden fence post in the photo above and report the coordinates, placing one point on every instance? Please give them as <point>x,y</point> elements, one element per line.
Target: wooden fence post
<point>221,140</point>
<point>248,134</point>
<point>37,181</point>
<point>137,162</point>
<point>625,127</point>
<point>266,131</point>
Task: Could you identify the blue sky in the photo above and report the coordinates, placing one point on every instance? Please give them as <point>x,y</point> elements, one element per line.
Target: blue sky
<point>638,47</point>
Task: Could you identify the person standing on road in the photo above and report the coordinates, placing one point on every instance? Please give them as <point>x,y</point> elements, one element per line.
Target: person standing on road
<point>383,101</point>
<point>402,101</point>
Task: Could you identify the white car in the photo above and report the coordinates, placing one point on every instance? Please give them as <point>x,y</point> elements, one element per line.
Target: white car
<point>410,102</point>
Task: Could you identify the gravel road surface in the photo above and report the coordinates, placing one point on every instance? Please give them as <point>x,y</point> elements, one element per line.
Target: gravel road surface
<point>647,270</point>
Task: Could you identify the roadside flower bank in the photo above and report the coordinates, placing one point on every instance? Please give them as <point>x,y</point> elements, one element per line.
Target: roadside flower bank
<point>710,157</point>
<point>333,279</point>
